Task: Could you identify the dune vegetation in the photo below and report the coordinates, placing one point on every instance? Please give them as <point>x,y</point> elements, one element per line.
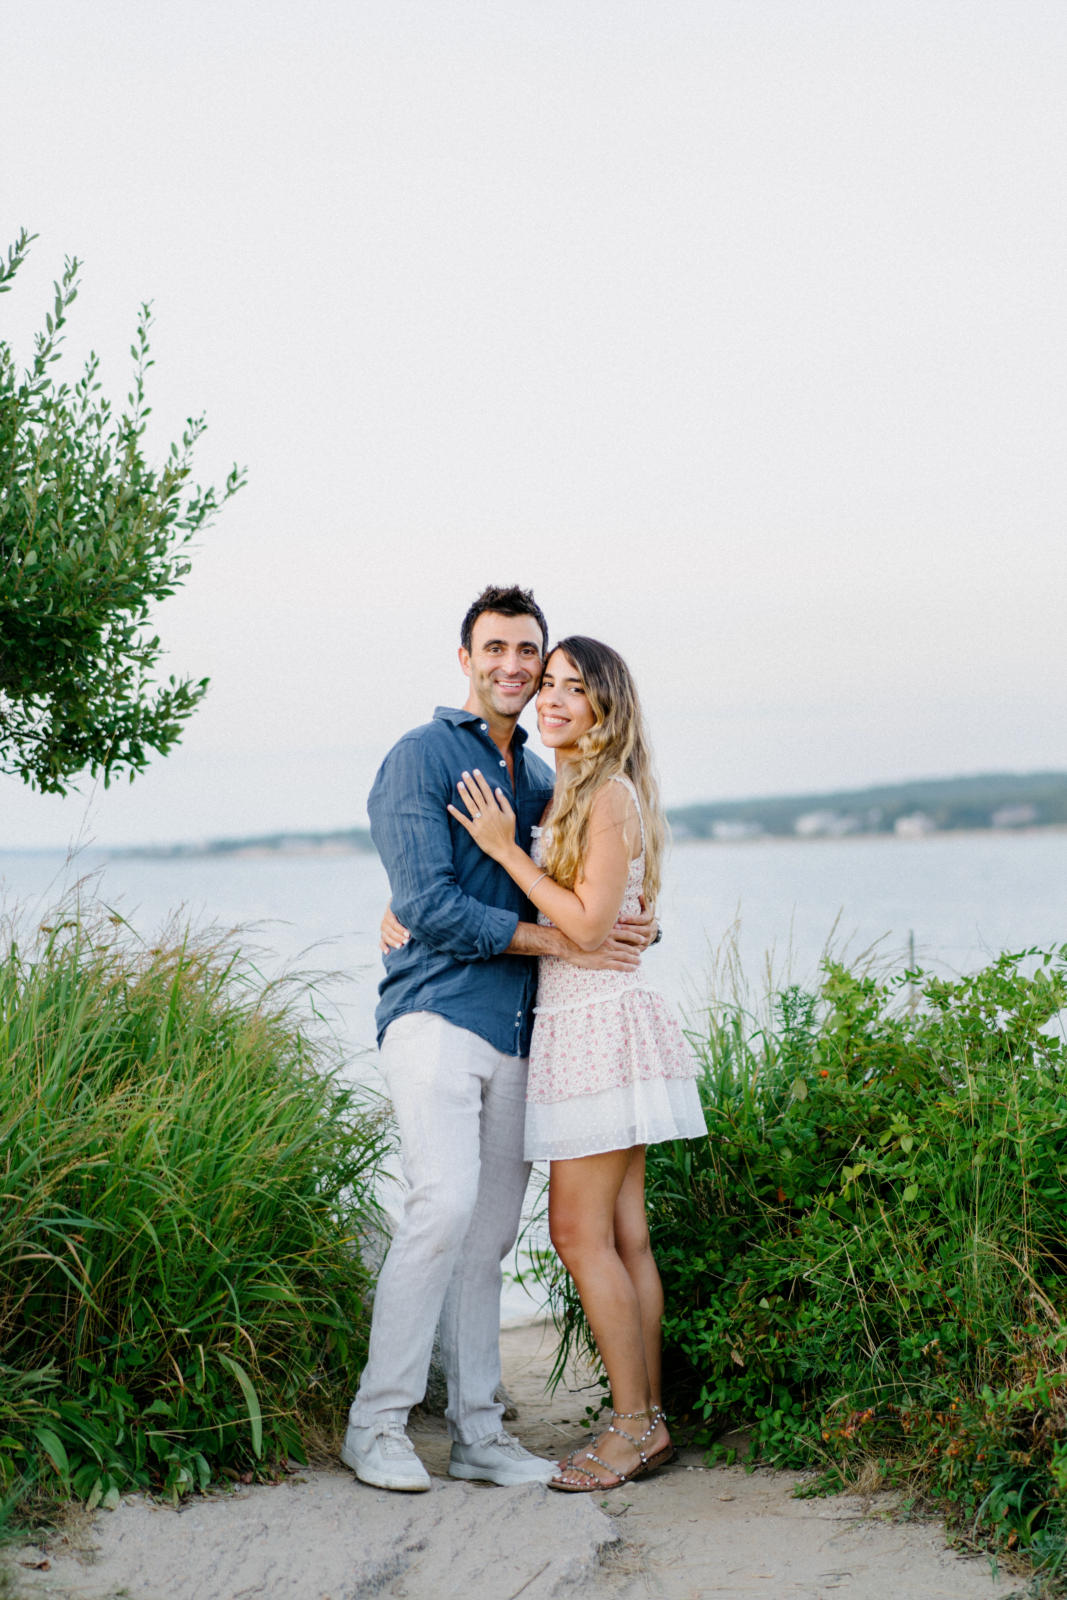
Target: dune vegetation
<point>865,1264</point>
<point>186,1180</point>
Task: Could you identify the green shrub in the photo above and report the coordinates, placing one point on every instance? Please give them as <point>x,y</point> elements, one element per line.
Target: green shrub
<point>185,1181</point>
<point>92,537</point>
<point>865,1264</point>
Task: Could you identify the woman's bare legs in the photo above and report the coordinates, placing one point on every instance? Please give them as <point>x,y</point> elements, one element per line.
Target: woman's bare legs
<point>596,1218</point>
<point>635,1251</point>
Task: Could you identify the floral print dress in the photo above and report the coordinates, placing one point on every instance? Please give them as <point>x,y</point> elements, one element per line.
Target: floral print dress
<point>609,1065</point>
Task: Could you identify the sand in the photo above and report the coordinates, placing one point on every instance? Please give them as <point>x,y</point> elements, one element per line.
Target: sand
<point>688,1532</point>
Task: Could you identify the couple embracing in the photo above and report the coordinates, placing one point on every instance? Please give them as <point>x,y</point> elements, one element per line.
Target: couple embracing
<point>493,1059</point>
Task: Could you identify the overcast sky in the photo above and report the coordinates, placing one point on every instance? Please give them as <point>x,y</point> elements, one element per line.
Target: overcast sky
<point>737,330</point>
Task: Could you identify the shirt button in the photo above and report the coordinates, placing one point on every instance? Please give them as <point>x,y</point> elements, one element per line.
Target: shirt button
<point>485,727</point>
<point>503,763</point>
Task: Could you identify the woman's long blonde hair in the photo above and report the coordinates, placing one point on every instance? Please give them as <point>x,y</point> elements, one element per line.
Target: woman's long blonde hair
<point>616,743</point>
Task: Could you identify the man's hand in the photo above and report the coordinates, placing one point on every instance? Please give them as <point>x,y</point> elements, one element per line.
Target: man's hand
<point>620,952</point>
<point>642,922</point>
<point>392,935</point>
<point>624,946</point>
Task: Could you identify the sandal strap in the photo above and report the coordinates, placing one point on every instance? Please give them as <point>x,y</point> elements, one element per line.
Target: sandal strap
<point>570,1465</point>
<point>635,1444</point>
<point>622,1433</point>
<point>653,1416</point>
<point>615,1473</point>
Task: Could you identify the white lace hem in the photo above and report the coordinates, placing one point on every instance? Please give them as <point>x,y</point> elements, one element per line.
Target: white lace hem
<point>649,1111</point>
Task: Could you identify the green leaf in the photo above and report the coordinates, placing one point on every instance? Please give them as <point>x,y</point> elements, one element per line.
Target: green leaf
<point>255,1416</point>
<point>53,1449</point>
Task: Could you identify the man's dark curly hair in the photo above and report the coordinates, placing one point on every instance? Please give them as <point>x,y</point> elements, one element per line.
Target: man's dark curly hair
<point>511,602</point>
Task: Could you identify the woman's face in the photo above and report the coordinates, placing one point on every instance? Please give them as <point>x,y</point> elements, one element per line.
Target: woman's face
<point>563,709</point>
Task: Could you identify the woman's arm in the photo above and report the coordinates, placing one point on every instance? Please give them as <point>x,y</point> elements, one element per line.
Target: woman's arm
<point>620,952</point>
<point>586,913</point>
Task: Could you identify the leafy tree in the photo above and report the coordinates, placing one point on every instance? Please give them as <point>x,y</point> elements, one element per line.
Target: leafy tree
<point>91,537</point>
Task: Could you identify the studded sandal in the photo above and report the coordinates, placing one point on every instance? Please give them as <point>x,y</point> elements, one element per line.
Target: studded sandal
<point>645,1464</point>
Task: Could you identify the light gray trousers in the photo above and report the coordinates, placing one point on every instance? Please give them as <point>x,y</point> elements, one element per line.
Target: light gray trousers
<point>460,1107</point>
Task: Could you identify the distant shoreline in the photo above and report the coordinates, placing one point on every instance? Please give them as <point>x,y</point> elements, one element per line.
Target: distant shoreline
<point>333,852</point>
<point>1030,831</point>
<point>998,803</point>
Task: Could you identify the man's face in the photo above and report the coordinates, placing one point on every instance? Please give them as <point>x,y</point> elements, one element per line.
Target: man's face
<point>503,664</point>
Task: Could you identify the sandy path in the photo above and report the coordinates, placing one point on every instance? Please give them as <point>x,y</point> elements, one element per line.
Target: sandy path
<point>687,1533</point>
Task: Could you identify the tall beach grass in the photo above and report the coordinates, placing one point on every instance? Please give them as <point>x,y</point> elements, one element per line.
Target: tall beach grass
<point>184,1181</point>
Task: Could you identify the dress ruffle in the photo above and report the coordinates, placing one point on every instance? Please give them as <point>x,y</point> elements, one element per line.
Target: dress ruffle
<point>615,1040</point>
<point>609,1066</point>
<point>646,1112</point>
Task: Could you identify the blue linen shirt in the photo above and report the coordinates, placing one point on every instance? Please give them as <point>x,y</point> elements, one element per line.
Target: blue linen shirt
<point>461,907</point>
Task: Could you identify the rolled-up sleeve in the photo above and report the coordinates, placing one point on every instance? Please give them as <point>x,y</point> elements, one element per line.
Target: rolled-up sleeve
<point>411,831</point>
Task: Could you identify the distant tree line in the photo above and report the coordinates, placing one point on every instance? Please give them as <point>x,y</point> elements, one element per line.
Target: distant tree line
<point>988,800</point>
<point>992,800</point>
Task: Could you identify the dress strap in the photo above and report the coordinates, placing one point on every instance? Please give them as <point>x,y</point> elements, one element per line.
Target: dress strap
<point>619,777</point>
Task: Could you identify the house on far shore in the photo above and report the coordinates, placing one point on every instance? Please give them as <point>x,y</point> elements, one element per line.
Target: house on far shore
<point>1019,816</point>
<point>731,832</point>
<point>825,824</point>
<point>914,826</point>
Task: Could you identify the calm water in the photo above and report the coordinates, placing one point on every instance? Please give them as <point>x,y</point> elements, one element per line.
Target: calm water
<point>962,897</point>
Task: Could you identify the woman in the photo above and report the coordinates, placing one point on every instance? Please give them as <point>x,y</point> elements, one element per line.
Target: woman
<point>609,1069</point>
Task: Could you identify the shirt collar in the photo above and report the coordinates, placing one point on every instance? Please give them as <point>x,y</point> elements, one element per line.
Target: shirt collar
<point>460,718</point>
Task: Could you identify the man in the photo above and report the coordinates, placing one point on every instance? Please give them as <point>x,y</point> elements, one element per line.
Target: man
<point>454,1021</point>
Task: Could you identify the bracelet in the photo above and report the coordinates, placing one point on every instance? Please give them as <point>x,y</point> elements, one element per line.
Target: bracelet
<point>533,885</point>
<point>659,936</point>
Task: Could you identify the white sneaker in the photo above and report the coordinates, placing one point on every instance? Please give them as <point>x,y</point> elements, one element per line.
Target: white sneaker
<point>499,1459</point>
<point>385,1457</point>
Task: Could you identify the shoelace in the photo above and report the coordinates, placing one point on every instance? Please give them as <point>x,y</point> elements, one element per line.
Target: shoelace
<point>395,1442</point>
<point>504,1441</point>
